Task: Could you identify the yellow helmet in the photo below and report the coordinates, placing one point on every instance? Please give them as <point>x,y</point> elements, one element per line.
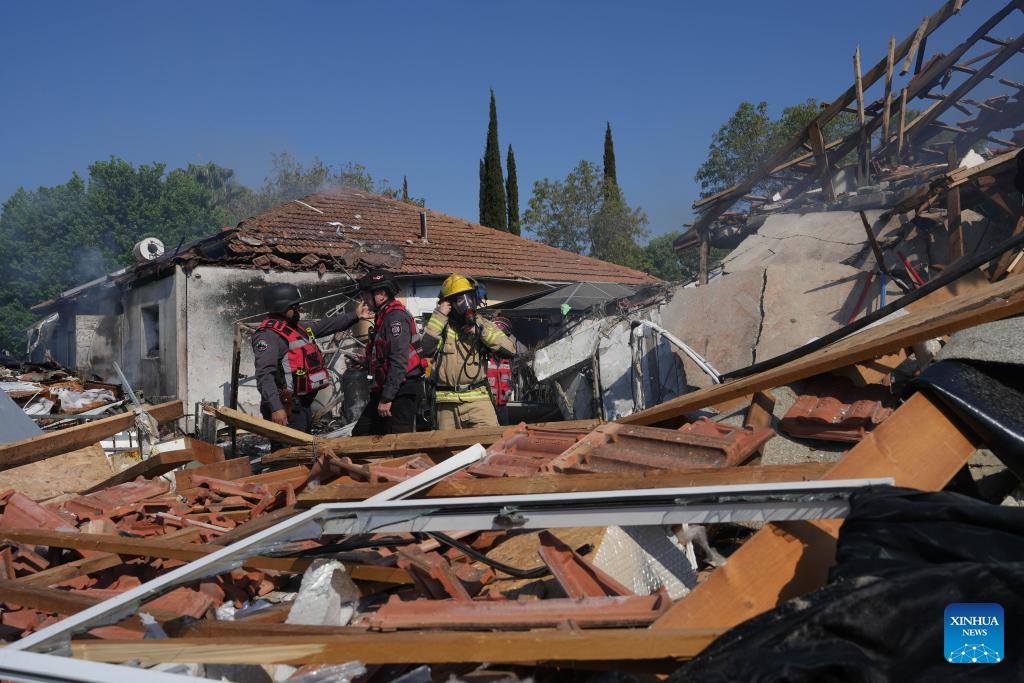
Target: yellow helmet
<point>455,284</point>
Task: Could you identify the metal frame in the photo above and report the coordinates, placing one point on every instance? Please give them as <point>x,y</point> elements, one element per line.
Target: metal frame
<point>700,504</point>
<point>31,667</point>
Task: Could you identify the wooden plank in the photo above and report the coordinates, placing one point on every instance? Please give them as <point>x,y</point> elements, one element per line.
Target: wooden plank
<point>153,466</point>
<point>569,483</point>
<point>887,104</point>
<point>550,646</point>
<point>864,149</point>
<point>257,425</point>
<point>70,472</point>
<point>45,599</point>
<point>46,445</point>
<point>914,45</point>
<point>994,302</point>
<point>71,570</point>
<point>234,468</point>
<point>62,601</point>
<point>824,168</point>
<point>176,550</point>
<point>918,445</point>
<point>1003,265</point>
<point>954,227</point>
<point>903,124</point>
<point>435,442</point>
<point>761,410</point>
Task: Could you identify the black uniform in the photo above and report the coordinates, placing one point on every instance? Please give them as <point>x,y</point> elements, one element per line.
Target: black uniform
<point>399,388</point>
<point>269,349</point>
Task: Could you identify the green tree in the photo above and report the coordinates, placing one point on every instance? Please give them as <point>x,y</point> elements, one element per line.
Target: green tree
<point>574,215</point>
<point>39,253</point>
<point>493,209</point>
<point>609,156</point>
<point>56,237</point>
<point>512,190</point>
<point>405,189</point>
<point>750,136</point>
<point>662,261</point>
<point>230,197</point>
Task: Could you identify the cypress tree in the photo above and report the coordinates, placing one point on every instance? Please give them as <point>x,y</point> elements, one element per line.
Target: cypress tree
<point>493,210</point>
<point>482,202</point>
<point>512,190</point>
<point>405,188</point>
<point>609,160</point>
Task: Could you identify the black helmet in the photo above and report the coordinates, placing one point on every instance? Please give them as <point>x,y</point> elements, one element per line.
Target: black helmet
<point>279,297</point>
<point>379,279</point>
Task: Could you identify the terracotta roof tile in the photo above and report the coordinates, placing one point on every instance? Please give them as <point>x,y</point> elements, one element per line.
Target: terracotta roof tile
<point>343,226</point>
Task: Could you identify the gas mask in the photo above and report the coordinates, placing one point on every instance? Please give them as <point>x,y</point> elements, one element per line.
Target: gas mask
<point>464,306</point>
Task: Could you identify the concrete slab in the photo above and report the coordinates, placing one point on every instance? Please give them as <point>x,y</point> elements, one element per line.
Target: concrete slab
<point>996,342</point>
<point>825,237</point>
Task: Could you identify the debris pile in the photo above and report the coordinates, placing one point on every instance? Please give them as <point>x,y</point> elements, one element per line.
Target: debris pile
<point>735,461</point>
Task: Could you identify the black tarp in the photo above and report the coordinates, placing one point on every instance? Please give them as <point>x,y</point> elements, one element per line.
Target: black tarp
<point>902,557</point>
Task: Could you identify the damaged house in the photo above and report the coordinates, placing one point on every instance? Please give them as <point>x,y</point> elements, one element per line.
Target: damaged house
<point>844,448</point>
<point>170,320</point>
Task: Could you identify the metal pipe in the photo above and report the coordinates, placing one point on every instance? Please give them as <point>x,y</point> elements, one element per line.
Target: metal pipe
<point>716,377</point>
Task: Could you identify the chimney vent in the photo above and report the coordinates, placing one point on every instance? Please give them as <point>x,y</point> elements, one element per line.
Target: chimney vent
<point>423,225</point>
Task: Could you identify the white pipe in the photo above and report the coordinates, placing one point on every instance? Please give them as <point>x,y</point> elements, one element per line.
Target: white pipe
<point>716,377</point>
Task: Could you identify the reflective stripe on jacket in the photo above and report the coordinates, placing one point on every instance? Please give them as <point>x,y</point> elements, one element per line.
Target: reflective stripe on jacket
<point>303,365</point>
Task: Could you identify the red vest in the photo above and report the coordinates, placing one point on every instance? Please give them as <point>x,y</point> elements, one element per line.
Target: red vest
<point>303,365</point>
<point>499,377</point>
<point>377,349</point>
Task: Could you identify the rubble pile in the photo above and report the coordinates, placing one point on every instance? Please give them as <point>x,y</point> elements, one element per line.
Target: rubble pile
<point>751,469</point>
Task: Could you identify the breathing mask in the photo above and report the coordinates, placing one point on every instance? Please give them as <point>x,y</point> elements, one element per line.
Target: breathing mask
<point>464,305</point>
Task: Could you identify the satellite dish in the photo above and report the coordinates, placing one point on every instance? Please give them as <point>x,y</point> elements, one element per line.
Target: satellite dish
<point>148,249</point>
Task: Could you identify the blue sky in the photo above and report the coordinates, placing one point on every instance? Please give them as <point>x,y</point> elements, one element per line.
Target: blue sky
<point>402,87</point>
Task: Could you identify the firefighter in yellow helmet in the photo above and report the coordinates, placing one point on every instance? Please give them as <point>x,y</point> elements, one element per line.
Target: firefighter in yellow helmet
<point>459,342</point>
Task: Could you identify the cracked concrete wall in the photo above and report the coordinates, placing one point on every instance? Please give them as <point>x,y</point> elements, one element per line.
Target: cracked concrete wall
<point>783,287</point>
<point>828,237</point>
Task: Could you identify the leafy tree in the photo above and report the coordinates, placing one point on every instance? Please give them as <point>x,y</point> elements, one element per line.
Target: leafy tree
<point>512,190</point>
<point>290,179</point>
<point>750,136</point>
<point>493,209</point>
<point>609,156</point>
<point>230,197</point>
<point>574,215</point>
<point>39,254</point>
<point>56,237</point>
<point>662,261</point>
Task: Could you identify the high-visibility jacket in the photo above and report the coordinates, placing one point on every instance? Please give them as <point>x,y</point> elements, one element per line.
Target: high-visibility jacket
<point>379,349</point>
<point>499,377</point>
<point>303,365</point>
<point>460,370</point>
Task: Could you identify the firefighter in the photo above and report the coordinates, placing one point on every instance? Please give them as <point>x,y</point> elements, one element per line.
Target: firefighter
<point>289,364</point>
<point>393,360</point>
<point>459,342</point>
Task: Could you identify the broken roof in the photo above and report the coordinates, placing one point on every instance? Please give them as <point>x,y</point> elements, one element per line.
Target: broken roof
<point>885,139</point>
<point>579,296</point>
<point>338,228</point>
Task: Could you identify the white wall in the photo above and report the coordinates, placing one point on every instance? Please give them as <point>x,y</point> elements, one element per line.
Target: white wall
<point>215,297</point>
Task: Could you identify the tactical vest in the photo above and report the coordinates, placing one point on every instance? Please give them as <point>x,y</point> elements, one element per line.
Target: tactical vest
<point>377,349</point>
<point>303,365</point>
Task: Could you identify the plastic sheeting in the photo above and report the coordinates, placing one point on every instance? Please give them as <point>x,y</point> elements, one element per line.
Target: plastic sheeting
<point>902,557</point>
